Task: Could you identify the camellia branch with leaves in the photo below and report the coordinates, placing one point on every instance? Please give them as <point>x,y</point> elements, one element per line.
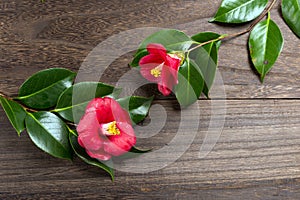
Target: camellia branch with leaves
<point>86,119</point>
<point>89,120</point>
<point>196,73</point>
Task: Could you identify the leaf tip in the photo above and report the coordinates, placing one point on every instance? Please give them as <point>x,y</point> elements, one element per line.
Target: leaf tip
<point>212,20</point>
<point>19,133</point>
<point>112,177</point>
<point>206,95</point>
<point>69,158</point>
<point>262,78</point>
<point>151,98</point>
<point>134,149</point>
<point>131,64</point>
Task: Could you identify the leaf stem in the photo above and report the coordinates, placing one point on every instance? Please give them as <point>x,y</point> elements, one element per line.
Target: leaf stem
<point>28,109</point>
<point>227,36</point>
<point>207,42</point>
<point>12,99</point>
<point>70,130</point>
<point>5,96</point>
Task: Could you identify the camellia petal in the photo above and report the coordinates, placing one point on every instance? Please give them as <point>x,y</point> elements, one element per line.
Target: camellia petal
<point>151,59</point>
<point>120,115</point>
<point>103,105</point>
<point>100,154</point>
<point>89,129</point>
<point>164,90</point>
<point>173,63</point>
<point>172,74</point>
<point>122,143</point>
<point>168,80</point>
<point>154,48</point>
<point>127,129</point>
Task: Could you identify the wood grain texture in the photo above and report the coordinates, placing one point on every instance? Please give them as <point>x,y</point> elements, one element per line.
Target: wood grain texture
<point>256,156</point>
<point>258,150</point>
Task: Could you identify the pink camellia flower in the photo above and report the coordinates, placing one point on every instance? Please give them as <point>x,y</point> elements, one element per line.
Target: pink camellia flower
<point>105,130</point>
<point>161,67</point>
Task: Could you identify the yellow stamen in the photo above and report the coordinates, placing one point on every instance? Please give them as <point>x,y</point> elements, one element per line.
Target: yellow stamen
<point>155,72</point>
<point>113,129</point>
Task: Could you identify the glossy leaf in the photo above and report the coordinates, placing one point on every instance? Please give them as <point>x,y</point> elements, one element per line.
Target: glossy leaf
<point>138,107</point>
<point>42,89</point>
<point>180,46</point>
<point>239,11</point>
<point>73,101</point>
<point>206,58</point>
<point>49,133</point>
<point>15,113</point>
<point>190,83</point>
<point>291,14</point>
<point>81,153</point>
<point>265,45</point>
<point>167,37</point>
<point>207,36</point>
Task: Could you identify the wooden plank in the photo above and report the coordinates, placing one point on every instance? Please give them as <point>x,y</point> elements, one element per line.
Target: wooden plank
<point>256,155</point>
<point>55,35</point>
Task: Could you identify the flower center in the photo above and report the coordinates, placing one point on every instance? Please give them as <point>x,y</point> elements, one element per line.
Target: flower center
<point>110,129</point>
<point>156,72</point>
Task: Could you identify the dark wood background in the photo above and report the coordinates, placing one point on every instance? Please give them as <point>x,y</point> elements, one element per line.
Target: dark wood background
<point>256,157</point>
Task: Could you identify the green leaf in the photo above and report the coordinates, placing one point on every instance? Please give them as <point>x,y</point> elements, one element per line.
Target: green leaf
<point>206,36</point>
<point>73,101</point>
<point>15,113</point>
<point>81,153</point>
<point>138,107</point>
<point>190,83</point>
<point>180,46</point>
<point>239,11</point>
<point>291,14</point>
<point>265,45</point>
<point>42,89</point>
<point>206,57</point>
<point>168,37</point>
<point>49,133</point>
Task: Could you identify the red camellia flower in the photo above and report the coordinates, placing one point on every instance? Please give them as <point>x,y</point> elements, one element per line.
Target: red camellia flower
<point>161,67</point>
<point>105,130</point>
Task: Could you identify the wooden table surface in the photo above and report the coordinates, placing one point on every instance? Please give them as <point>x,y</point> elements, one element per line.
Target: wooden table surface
<point>256,157</point>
